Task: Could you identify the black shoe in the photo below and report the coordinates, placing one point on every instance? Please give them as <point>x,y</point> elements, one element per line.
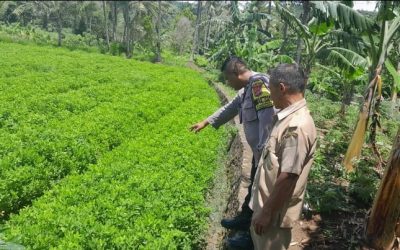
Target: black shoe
<point>240,222</point>
<point>241,241</point>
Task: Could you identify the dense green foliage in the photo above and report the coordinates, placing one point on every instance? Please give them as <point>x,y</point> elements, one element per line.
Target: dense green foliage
<point>63,116</point>
<point>100,146</point>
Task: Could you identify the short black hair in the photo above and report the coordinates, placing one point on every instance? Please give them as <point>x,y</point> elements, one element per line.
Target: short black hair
<point>234,64</point>
<point>290,74</point>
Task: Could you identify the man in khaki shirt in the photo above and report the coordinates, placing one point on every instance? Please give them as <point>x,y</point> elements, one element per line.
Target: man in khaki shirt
<point>281,177</point>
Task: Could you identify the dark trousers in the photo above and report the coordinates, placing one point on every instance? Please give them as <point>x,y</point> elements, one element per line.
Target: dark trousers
<point>246,210</point>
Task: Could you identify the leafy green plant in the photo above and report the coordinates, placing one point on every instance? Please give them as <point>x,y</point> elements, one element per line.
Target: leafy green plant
<point>201,61</point>
<point>96,153</point>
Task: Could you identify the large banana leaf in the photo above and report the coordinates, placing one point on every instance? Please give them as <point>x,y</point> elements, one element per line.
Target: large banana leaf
<point>344,15</point>
<point>394,73</point>
<point>293,22</point>
<point>345,58</point>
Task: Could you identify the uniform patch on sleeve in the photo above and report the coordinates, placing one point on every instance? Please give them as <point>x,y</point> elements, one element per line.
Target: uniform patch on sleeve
<point>261,95</point>
<point>291,132</point>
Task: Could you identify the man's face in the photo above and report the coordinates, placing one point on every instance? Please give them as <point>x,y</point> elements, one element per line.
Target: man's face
<point>276,94</point>
<point>233,80</point>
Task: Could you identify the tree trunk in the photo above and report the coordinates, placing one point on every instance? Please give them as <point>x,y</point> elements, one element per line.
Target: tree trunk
<point>158,25</point>
<point>90,24</point>
<point>285,35</point>
<point>196,32</point>
<point>106,25</point>
<point>304,19</point>
<point>348,93</point>
<point>115,17</point>
<point>127,36</point>
<point>45,24</point>
<point>381,225</point>
<point>207,30</point>
<point>269,13</point>
<point>357,140</point>
<point>59,28</point>
<point>394,90</point>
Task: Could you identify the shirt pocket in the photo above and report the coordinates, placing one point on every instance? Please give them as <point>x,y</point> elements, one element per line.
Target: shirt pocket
<point>271,160</point>
<point>249,113</point>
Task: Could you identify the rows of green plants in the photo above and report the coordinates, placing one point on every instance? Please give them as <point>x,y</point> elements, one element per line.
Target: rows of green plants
<point>98,149</point>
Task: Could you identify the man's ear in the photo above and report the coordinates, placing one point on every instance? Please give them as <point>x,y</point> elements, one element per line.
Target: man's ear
<point>282,87</point>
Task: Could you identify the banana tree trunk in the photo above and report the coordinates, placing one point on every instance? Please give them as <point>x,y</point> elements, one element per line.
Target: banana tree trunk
<point>304,20</point>
<point>357,139</point>
<point>382,223</point>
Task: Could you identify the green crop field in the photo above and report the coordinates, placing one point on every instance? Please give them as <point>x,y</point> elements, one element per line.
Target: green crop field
<point>95,151</point>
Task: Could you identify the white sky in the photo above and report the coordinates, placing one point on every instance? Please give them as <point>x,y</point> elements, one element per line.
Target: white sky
<point>364,5</point>
<point>358,5</point>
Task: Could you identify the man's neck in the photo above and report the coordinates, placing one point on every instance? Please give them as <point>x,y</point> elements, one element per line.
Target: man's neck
<point>245,77</point>
<point>291,99</point>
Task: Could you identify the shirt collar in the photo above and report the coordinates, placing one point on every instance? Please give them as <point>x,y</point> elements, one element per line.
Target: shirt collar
<point>291,109</point>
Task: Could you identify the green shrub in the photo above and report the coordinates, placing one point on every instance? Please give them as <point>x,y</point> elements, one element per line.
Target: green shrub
<point>99,149</point>
<point>201,61</point>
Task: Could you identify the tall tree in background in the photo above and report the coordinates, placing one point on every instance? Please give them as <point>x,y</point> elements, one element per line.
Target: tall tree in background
<point>127,40</point>
<point>114,16</point>
<point>158,27</point>
<point>305,17</point>
<point>53,9</point>
<point>106,25</point>
<point>196,31</point>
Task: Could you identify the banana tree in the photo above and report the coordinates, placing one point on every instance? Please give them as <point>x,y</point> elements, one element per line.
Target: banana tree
<point>385,213</point>
<point>353,68</point>
<point>378,48</point>
<point>394,72</point>
<point>321,36</point>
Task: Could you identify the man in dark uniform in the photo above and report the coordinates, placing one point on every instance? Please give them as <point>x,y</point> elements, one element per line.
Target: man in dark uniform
<point>255,109</point>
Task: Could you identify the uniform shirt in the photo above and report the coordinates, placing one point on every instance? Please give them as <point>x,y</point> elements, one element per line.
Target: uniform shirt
<point>290,148</point>
<point>255,109</point>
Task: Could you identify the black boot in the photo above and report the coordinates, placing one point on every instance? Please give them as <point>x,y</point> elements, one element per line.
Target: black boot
<point>242,240</point>
<point>240,222</point>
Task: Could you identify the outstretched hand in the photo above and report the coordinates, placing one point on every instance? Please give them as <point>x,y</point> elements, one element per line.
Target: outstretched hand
<point>199,126</point>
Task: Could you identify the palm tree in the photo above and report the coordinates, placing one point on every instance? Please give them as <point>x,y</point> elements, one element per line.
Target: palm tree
<point>56,9</point>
